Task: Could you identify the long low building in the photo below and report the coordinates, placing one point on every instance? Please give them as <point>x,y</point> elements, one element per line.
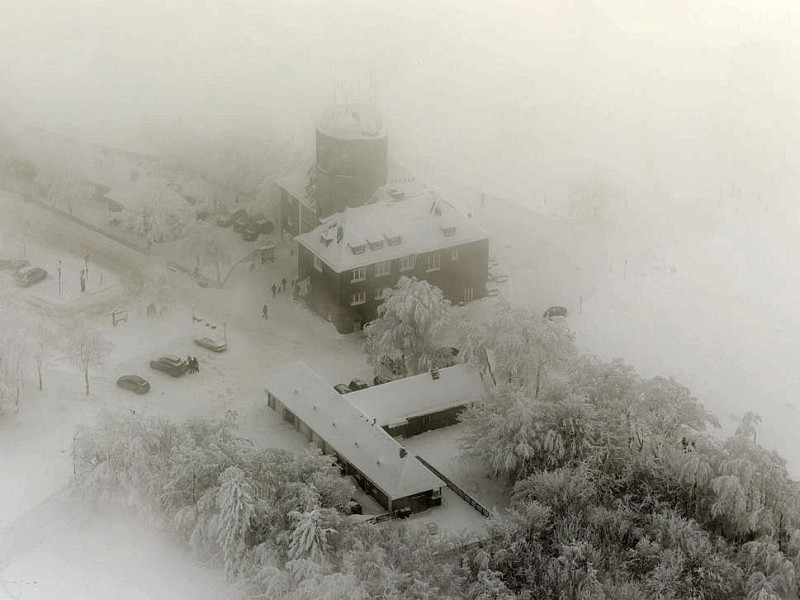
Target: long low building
<point>379,463</point>
<point>419,403</point>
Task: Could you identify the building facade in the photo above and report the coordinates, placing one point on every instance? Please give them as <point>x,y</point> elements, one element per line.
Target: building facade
<point>351,260</point>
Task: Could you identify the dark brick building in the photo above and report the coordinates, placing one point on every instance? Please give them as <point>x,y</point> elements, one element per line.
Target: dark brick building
<point>350,260</point>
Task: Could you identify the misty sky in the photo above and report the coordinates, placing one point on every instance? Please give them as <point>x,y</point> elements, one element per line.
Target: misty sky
<point>671,99</point>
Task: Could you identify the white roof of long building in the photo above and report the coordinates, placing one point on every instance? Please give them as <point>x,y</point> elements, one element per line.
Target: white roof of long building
<point>354,436</point>
<point>393,402</point>
<point>401,220</point>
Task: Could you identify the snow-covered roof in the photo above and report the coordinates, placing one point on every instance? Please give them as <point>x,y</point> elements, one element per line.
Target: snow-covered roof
<point>131,194</point>
<point>349,432</point>
<point>407,219</point>
<point>296,182</point>
<point>393,402</point>
<point>352,121</point>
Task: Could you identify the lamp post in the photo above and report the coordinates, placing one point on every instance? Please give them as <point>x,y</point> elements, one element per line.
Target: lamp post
<point>86,266</point>
<point>59,277</point>
<point>225,330</point>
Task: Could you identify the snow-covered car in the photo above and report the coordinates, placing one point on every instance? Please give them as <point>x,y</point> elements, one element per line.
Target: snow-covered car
<point>256,227</point>
<point>134,383</point>
<point>30,275</point>
<point>445,357</point>
<point>342,388</point>
<point>555,311</point>
<point>230,219</point>
<point>212,344</point>
<point>171,365</point>
<point>357,384</point>
<point>13,264</point>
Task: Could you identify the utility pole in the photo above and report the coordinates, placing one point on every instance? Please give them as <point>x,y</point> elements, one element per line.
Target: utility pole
<point>59,277</point>
<point>225,330</point>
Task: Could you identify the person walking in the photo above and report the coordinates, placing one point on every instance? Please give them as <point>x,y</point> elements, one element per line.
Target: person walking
<point>265,312</point>
<point>274,290</point>
<point>283,284</point>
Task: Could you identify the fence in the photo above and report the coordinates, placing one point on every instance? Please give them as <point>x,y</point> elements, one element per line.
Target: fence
<point>458,491</point>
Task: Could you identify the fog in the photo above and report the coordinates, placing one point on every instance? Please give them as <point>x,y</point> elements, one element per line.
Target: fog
<point>671,104</point>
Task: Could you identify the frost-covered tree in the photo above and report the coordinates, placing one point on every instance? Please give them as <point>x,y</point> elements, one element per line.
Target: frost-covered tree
<point>156,213</point>
<point>58,186</point>
<point>235,505</point>
<point>205,246</point>
<point>86,347</point>
<point>409,323</point>
<point>520,348</point>
<point>309,538</point>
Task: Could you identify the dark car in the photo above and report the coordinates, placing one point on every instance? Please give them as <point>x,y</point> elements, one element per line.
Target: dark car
<point>171,365</point>
<point>241,222</point>
<point>230,219</point>
<point>30,275</point>
<point>134,383</point>
<point>13,264</point>
<point>256,227</point>
<point>357,384</point>
<point>342,388</point>
<point>555,311</point>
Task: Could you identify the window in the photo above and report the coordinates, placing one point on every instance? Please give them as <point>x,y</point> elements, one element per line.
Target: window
<point>434,262</point>
<point>359,274</point>
<point>380,293</point>
<point>358,298</point>
<point>358,249</point>
<point>375,244</point>
<point>407,263</point>
<point>383,268</point>
<point>454,254</point>
<point>318,264</point>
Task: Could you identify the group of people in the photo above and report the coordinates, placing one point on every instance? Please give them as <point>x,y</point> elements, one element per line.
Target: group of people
<point>194,364</point>
<point>281,286</point>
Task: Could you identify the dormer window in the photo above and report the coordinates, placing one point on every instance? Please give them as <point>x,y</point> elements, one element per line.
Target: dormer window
<point>358,249</point>
<point>374,243</point>
<point>449,230</point>
<point>393,240</point>
<point>325,239</point>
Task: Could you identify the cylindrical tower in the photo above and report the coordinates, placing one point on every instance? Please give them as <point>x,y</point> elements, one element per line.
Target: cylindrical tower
<point>352,147</point>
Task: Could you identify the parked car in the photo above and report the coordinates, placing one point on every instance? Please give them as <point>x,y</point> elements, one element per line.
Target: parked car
<point>555,311</point>
<point>445,357</point>
<point>256,227</point>
<point>134,383</point>
<point>171,365</point>
<point>342,388</point>
<point>357,384</point>
<point>230,219</point>
<point>212,344</point>
<point>13,264</point>
<point>241,222</point>
<point>30,275</point>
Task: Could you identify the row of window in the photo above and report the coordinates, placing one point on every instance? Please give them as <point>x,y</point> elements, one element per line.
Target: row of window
<point>433,262</point>
<point>357,298</point>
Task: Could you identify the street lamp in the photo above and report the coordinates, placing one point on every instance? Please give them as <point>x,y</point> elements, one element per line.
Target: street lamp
<point>225,330</point>
<point>59,277</point>
<point>86,265</point>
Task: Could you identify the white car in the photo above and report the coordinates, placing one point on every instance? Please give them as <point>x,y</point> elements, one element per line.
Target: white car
<point>212,344</point>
